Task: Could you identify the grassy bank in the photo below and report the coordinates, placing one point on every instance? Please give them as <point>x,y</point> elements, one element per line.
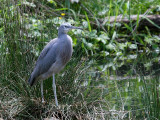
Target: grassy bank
<point>113,73</point>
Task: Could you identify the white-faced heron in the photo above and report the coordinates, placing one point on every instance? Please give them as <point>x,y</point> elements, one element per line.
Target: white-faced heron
<point>53,58</point>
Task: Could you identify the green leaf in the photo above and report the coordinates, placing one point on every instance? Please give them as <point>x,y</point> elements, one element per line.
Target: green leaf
<point>103,38</point>
<point>29,4</point>
<point>105,53</point>
<point>110,46</point>
<point>89,25</point>
<point>52,2</point>
<point>133,46</point>
<point>114,36</point>
<point>129,28</point>
<point>151,22</point>
<point>61,9</point>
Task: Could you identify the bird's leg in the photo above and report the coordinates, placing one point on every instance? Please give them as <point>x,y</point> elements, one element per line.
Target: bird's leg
<point>54,90</point>
<point>42,91</point>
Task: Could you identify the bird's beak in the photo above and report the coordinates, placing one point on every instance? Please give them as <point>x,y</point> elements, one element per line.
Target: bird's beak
<point>73,27</point>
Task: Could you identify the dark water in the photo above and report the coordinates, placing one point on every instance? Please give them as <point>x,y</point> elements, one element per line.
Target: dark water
<point>130,84</point>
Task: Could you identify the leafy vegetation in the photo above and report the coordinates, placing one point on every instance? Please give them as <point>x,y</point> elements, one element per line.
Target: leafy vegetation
<point>114,70</point>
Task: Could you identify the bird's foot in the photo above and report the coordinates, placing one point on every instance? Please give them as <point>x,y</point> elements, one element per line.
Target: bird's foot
<point>43,101</point>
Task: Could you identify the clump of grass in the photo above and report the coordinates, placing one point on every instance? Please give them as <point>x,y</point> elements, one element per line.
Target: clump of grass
<point>18,100</point>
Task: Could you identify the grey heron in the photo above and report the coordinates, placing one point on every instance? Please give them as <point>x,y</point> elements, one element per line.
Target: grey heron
<point>53,58</point>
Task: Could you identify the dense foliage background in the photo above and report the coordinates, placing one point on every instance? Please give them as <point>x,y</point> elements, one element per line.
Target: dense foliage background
<point>114,70</point>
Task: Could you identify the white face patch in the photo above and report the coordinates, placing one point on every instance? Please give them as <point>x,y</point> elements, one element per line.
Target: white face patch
<point>66,30</point>
<point>67,27</point>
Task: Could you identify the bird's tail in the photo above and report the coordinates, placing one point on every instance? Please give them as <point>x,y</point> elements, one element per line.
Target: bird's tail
<point>31,80</point>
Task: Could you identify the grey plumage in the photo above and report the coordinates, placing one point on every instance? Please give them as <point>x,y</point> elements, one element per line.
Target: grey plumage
<point>53,57</point>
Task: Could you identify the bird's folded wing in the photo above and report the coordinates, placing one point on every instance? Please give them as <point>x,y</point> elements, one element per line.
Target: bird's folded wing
<point>46,59</point>
<point>46,49</point>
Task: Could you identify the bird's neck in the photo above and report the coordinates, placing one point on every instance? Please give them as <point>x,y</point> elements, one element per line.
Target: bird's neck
<point>60,34</point>
<point>64,38</point>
